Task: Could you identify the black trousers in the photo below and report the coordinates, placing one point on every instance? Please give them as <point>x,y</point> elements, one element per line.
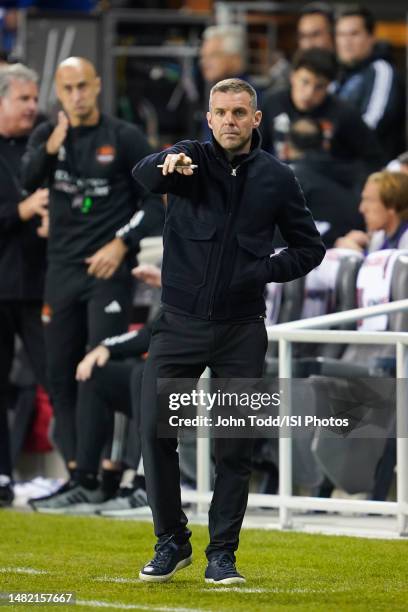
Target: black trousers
<point>82,312</point>
<point>21,319</point>
<point>182,347</point>
<point>115,387</point>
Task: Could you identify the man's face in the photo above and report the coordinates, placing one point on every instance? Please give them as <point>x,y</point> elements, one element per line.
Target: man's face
<point>353,42</point>
<point>376,215</point>
<point>232,120</point>
<point>308,90</point>
<point>77,89</point>
<point>314,31</point>
<point>215,63</point>
<point>19,107</point>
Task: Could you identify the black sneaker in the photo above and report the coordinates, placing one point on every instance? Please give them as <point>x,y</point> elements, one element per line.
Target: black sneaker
<point>62,489</point>
<point>69,495</point>
<point>169,558</point>
<point>221,570</point>
<point>6,495</point>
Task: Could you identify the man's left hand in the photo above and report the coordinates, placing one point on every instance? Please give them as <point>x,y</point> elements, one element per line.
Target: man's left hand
<point>105,262</point>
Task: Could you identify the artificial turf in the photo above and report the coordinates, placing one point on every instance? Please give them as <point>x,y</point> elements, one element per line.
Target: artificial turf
<point>99,559</point>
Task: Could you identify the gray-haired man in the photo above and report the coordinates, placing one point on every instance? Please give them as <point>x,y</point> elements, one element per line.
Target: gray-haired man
<point>23,227</point>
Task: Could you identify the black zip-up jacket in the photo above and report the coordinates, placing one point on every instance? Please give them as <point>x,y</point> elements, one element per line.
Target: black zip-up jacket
<point>22,251</point>
<point>219,228</point>
<point>93,167</point>
<point>373,88</point>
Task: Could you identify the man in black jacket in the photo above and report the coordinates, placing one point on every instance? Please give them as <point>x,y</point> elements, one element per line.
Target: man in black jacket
<point>23,223</point>
<point>368,81</point>
<point>345,135</point>
<point>224,200</point>
<point>86,160</point>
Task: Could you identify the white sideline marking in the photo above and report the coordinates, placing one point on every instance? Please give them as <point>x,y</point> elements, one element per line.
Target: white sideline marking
<point>123,606</point>
<point>120,580</point>
<point>220,589</point>
<point>21,570</point>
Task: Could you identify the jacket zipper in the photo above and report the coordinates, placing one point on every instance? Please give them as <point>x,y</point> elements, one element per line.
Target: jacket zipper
<point>218,267</point>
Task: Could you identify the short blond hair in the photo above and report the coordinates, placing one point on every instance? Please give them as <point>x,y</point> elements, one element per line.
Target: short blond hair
<point>393,190</point>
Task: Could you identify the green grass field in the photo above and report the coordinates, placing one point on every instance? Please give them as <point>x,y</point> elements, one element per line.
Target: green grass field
<point>99,559</point>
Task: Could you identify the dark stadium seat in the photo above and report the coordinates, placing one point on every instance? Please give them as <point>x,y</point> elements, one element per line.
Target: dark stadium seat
<point>361,384</point>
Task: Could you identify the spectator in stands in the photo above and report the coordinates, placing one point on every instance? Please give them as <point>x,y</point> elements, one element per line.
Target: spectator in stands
<point>223,55</point>
<point>384,206</point>
<point>345,135</point>
<point>333,206</point>
<point>315,28</point>
<point>367,81</point>
<point>23,229</point>
<point>86,159</point>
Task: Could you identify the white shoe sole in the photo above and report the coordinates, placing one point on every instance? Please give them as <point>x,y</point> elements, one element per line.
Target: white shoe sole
<point>166,577</point>
<point>144,511</point>
<point>235,580</point>
<point>49,510</point>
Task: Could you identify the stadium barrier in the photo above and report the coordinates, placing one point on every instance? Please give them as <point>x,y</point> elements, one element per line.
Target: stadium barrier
<point>314,330</point>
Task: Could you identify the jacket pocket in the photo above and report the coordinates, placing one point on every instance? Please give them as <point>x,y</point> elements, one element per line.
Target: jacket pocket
<point>250,265</point>
<point>188,243</point>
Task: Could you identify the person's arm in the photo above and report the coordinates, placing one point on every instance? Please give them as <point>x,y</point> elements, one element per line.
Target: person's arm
<point>130,344</point>
<point>355,240</point>
<point>107,259</point>
<point>305,248</point>
<point>15,211</point>
<point>149,274</point>
<point>148,221</point>
<point>381,98</point>
<point>37,163</point>
<point>152,178</point>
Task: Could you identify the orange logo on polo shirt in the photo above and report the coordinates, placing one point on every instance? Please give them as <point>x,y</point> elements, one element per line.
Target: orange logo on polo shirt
<point>105,154</point>
<point>46,314</point>
<point>328,131</point>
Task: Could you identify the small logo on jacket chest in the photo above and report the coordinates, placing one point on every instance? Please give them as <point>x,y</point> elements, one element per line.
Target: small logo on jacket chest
<point>105,154</point>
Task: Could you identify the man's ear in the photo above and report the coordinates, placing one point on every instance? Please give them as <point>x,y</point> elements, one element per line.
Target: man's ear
<point>257,118</point>
<point>98,84</point>
<point>208,115</point>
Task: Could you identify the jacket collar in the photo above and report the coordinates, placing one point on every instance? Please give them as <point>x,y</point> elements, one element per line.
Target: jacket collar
<point>347,70</point>
<point>238,159</point>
